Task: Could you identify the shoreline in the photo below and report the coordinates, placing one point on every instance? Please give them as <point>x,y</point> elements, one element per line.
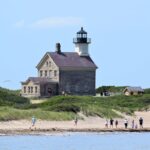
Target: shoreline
<point>54,131</point>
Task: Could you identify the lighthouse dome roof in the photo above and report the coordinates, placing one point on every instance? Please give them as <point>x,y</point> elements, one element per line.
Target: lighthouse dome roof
<point>81,31</point>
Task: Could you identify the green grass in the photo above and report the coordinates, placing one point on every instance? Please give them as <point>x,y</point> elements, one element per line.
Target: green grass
<point>14,107</point>
<point>10,98</point>
<point>147,91</point>
<point>9,113</point>
<point>16,92</point>
<point>100,106</point>
<point>114,89</point>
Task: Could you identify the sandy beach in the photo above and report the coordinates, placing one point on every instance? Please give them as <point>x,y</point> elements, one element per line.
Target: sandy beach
<point>89,124</point>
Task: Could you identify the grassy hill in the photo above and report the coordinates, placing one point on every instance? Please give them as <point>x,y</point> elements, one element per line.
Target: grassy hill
<point>16,92</point>
<point>100,106</point>
<point>13,106</point>
<point>11,98</point>
<point>90,106</point>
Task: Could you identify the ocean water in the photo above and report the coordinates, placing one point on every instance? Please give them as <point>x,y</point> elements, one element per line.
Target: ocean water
<point>77,141</point>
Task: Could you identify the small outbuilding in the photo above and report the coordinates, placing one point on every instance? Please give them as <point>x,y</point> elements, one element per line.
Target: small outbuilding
<point>133,91</point>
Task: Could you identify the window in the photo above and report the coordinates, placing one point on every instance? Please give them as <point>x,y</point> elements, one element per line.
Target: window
<point>24,89</point>
<point>41,73</point>
<point>50,64</point>
<point>35,89</point>
<point>50,73</point>
<point>31,89</point>
<point>47,64</point>
<point>28,89</point>
<point>45,73</point>
<point>55,73</point>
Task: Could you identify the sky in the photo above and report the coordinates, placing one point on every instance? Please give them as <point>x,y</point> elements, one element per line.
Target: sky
<point>119,30</point>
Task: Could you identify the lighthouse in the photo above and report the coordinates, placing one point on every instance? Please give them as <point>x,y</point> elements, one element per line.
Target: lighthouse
<point>81,43</point>
<point>64,72</point>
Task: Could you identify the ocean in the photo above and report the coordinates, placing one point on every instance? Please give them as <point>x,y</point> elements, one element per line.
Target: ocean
<point>77,141</point>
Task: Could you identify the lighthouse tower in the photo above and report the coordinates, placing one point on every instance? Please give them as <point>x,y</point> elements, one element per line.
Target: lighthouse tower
<point>81,43</point>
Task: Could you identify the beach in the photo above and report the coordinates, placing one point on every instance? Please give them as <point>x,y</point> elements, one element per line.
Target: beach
<point>88,124</point>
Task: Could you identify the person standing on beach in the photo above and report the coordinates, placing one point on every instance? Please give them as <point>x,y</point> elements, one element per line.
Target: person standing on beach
<point>33,121</point>
<point>76,121</point>
<point>136,126</point>
<point>116,123</point>
<point>126,123</point>
<point>111,123</point>
<point>132,124</point>
<point>141,122</point>
<point>106,123</point>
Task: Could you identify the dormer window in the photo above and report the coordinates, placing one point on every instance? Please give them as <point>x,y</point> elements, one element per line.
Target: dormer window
<point>55,73</point>
<point>45,73</point>
<point>47,64</point>
<point>50,73</point>
<point>41,73</point>
<point>50,63</point>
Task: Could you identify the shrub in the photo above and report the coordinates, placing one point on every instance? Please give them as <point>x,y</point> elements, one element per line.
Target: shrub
<point>10,98</point>
<point>64,107</point>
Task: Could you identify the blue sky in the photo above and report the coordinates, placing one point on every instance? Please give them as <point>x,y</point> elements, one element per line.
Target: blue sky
<point>119,29</point>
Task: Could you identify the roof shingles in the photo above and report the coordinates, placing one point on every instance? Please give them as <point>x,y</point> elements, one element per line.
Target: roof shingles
<point>72,59</point>
<point>134,89</point>
<point>38,80</point>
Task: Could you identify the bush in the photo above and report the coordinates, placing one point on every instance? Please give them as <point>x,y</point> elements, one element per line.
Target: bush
<point>10,98</point>
<point>147,91</point>
<point>64,107</point>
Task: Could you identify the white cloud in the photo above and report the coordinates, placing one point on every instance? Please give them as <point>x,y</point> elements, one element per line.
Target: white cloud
<point>50,22</point>
<point>56,22</point>
<point>19,24</point>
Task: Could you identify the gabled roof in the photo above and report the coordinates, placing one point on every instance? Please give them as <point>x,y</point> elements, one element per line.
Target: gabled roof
<point>72,59</point>
<point>38,80</point>
<point>134,89</point>
<point>42,60</point>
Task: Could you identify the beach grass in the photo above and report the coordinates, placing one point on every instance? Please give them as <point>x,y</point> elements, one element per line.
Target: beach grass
<point>14,107</point>
<point>9,113</point>
<point>96,106</point>
<point>10,98</point>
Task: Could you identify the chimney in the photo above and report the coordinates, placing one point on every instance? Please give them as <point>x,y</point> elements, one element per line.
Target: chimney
<point>58,48</point>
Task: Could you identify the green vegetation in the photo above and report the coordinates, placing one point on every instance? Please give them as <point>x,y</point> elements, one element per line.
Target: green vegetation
<point>10,113</point>
<point>113,89</point>
<point>11,98</point>
<point>147,91</point>
<point>12,106</point>
<point>100,106</point>
<point>15,107</point>
<point>16,92</point>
